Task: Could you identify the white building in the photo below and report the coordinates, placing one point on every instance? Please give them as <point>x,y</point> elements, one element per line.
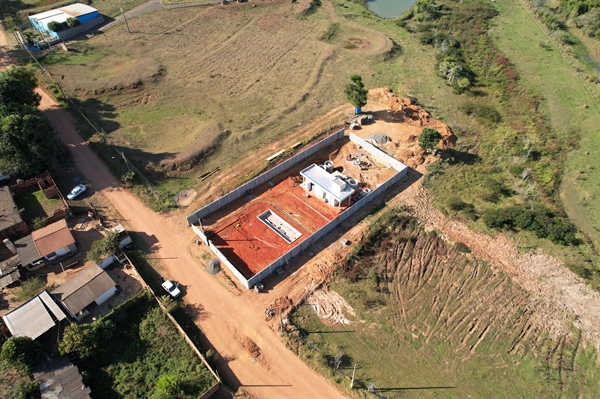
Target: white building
<point>332,188</point>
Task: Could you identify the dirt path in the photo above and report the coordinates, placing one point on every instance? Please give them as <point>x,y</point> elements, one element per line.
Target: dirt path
<point>228,321</point>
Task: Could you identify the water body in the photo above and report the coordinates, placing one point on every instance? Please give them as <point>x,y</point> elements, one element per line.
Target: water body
<point>389,8</point>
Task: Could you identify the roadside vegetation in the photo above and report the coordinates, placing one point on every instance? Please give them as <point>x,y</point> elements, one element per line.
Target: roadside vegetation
<point>426,320</point>
<point>148,360</point>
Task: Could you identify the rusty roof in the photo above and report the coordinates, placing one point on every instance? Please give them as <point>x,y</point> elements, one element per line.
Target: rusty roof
<point>52,237</point>
<point>83,289</point>
<point>9,213</point>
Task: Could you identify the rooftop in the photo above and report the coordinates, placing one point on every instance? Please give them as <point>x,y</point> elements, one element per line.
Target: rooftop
<point>332,183</point>
<point>34,317</point>
<point>52,237</point>
<point>9,213</point>
<point>60,379</point>
<point>83,289</point>
<point>61,14</point>
<point>27,250</point>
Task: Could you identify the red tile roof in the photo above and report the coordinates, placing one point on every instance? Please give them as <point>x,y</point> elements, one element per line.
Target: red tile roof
<point>52,237</point>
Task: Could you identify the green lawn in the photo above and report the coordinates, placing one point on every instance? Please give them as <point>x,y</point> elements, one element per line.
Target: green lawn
<point>34,204</point>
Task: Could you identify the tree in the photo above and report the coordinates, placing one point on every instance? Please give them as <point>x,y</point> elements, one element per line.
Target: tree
<point>55,26</point>
<point>72,22</point>
<point>21,353</point>
<point>429,138</point>
<point>29,144</point>
<point>17,87</point>
<point>103,247</point>
<point>356,92</point>
<point>85,339</point>
<point>25,390</point>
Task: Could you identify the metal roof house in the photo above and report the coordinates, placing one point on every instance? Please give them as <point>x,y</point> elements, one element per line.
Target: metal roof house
<point>330,187</point>
<point>54,240</point>
<point>87,16</point>
<point>60,379</point>
<point>34,317</point>
<point>91,286</point>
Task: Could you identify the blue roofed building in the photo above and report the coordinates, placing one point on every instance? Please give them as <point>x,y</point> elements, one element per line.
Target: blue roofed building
<point>87,16</point>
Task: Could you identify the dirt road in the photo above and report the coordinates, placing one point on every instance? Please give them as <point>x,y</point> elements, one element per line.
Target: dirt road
<point>228,321</point>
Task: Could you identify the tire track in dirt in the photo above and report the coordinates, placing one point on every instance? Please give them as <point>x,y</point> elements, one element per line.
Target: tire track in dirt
<point>557,295</point>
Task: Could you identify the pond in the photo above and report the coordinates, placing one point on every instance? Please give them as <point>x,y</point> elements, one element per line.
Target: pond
<point>389,8</point>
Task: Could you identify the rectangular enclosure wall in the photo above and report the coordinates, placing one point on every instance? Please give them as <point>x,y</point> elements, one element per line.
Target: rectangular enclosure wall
<point>194,219</point>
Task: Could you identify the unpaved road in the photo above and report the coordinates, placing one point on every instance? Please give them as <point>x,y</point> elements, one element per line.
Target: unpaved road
<point>226,319</point>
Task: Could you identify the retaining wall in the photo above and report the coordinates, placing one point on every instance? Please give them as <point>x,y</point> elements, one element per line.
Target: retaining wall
<point>194,219</point>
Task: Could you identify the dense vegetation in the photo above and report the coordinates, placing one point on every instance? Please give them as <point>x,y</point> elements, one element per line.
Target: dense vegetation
<point>104,247</point>
<point>510,154</point>
<point>147,358</point>
<point>21,353</point>
<point>29,143</point>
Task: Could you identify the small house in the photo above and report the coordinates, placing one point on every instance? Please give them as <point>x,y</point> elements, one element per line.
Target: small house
<point>35,317</point>
<point>89,288</point>
<point>54,240</point>
<point>332,188</point>
<point>87,18</point>
<point>60,379</point>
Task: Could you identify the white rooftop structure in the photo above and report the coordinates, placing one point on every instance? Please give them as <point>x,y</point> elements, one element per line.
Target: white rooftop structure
<point>330,187</point>
<point>61,14</point>
<point>34,317</point>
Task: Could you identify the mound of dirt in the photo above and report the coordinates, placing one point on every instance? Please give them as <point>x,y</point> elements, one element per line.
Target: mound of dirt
<point>405,111</point>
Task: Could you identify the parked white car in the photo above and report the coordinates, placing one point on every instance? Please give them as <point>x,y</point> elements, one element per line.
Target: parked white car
<point>172,289</point>
<point>77,191</point>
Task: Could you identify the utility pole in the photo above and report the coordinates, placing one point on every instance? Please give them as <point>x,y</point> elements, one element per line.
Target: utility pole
<point>353,374</point>
<point>126,24</point>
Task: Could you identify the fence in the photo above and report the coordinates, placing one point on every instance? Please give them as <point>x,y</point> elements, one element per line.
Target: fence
<point>308,241</point>
<point>181,331</point>
<point>263,178</point>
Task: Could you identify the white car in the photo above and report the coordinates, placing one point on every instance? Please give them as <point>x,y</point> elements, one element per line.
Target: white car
<point>77,191</point>
<point>172,289</point>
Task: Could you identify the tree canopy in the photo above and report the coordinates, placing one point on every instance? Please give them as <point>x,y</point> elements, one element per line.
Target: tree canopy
<point>429,138</point>
<point>356,92</point>
<point>85,339</point>
<point>103,247</point>
<point>28,142</point>
<point>21,353</point>
<point>17,85</point>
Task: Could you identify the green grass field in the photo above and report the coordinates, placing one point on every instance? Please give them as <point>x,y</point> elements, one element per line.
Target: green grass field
<point>34,204</point>
<point>546,72</point>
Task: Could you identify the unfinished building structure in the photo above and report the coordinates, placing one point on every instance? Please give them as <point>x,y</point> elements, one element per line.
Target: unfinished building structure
<point>260,226</point>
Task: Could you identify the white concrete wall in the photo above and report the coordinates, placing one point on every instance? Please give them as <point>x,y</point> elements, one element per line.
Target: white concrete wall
<point>102,298</point>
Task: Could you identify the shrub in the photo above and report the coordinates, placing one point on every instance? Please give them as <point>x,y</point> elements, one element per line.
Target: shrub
<point>24,390</point>
<point>84,340</point>
<point>482,111</point>
<point>39,223</point>
<point>429,138</point>
<point>462,247</point>
<point>73,22</point>
<point>21,353</point>
<point>104,247</point>
<point>30,288</point>
<point>55,26</point>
